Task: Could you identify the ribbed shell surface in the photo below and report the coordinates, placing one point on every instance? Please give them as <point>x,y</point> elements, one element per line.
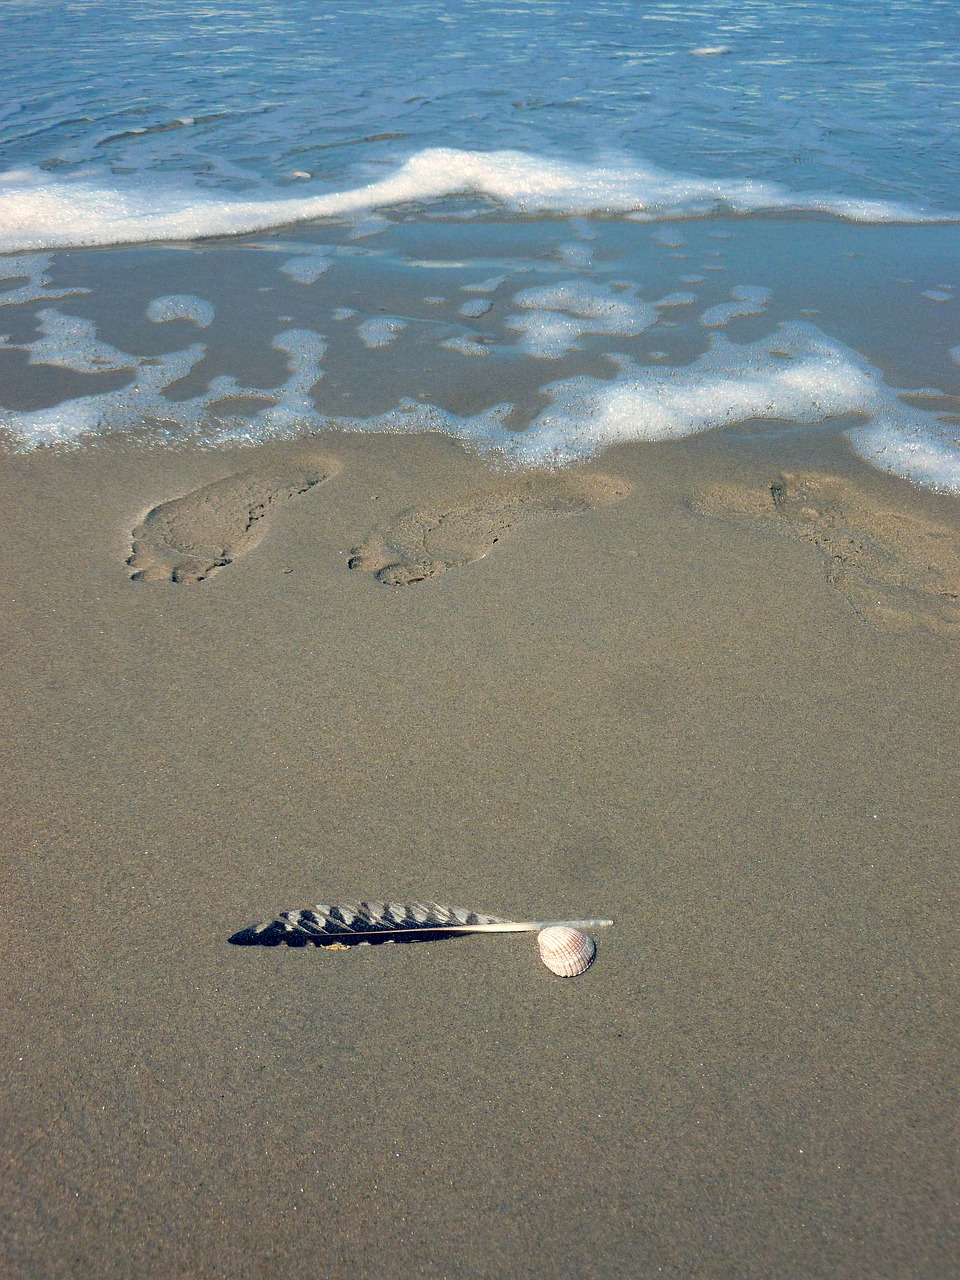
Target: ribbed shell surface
<point>565,951</point>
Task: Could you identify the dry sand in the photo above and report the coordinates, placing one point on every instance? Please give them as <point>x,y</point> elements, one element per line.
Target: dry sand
<point>629,708</point>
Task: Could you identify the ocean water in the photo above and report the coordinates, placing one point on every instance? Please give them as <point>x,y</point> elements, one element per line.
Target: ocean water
<point>541,227</point>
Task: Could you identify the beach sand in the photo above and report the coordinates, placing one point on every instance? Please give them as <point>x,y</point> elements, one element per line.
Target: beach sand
<point>636,693</point>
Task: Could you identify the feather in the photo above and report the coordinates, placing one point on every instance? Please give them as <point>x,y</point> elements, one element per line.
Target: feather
<point>351,923</point>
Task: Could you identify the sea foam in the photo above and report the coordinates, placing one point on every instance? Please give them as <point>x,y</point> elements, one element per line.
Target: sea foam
<point>33,268</point>
<point>39,211</point>
<point>796,375</point>
<point>380,331</point>
<point>70,342</point>
<point>558,315</point>
<point>307,269</point>
<point>181,306</point>
<point>748,300</point>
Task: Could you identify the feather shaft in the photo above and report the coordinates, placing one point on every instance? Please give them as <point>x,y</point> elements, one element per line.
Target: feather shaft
<point>529,926</point>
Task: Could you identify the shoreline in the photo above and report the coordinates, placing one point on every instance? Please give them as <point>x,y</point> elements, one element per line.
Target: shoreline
<point>424,325</point>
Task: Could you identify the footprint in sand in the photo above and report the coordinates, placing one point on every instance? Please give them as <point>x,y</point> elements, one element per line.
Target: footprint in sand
<point>425,543</point>
<point>898,570</point>
<point>187,540</point>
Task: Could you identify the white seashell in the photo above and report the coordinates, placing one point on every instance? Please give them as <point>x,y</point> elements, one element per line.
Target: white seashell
<point>566,951</point>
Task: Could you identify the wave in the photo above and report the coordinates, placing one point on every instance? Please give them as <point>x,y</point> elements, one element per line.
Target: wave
<point>40,212</point>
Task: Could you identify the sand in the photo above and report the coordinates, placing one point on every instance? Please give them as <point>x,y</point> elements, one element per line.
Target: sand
<point>618,696</point>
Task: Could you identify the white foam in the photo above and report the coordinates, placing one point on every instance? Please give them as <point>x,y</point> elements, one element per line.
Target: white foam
<point>466,345</point>
<point>546,334</point>
<point>39,211</point>
<point>380,331</point>
<point>438,264</point>
<point>589,302</point>
<point>484,286</point>
<point>369,224</point>
<point>907,448</point>
<point>811,381</point>
<point>293,409</point>
<point>110,411</point>
<point>749,300</point>
<point>34,268</point>
<point>70,342</point>
<point>288,409</point>
<point>181,306</point>
<point>475,308</point>
<point>576,255</point>
<point>307,270</point>
<point>797,375</point>
<point>560,314</point>
<point>711,50</point>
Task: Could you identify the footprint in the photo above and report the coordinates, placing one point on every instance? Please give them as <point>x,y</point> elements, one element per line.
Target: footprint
<point>423,544</point>
<point>899,571</point>
<point>187,540</point>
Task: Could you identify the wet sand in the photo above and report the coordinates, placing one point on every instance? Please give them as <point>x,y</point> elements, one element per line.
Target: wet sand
<point>643,704</point>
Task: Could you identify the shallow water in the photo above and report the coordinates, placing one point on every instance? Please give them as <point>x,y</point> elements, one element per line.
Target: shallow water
<point>820,96</point>
<point>540,340</point>
<point>374,223</point>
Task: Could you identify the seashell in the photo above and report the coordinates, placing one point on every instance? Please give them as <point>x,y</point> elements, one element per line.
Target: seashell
<point>566,951</point>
